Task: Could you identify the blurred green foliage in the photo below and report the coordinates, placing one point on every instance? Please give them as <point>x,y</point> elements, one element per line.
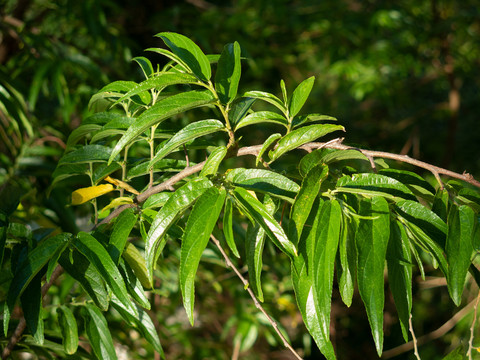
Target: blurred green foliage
<point>401,76</point>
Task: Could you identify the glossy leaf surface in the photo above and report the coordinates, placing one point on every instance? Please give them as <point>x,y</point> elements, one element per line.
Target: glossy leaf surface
<point>228,73</point>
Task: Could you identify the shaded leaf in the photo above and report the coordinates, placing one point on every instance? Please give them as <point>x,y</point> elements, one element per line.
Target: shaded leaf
<point>228,227</point>
<point>87,154</point>
<point>347,256</point>
<point>68,328</point>
<point>137,262</point>
<point>145,65</point>
<point>31,300</point>
<point>121,230</point>
<point>239,108</point>
<point>98,333</point>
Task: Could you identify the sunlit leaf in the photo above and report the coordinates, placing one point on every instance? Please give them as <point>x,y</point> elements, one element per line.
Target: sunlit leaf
<point>262,117</point>
<point>300,95</point>
<point>228,73</point>
<point>213,161</point>
<point>228,226</point>
<point>83,195</point>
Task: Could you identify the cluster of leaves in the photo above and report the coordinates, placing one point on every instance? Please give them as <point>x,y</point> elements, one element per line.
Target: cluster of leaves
<point>343,217</point>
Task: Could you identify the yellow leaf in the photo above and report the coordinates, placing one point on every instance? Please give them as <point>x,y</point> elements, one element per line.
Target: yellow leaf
<point>82,195</point>
<point>117,202</point>
<point>122,184</point>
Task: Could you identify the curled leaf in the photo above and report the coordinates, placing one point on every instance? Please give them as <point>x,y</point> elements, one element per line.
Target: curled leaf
<point>122,184</point>
<point>83,195</point>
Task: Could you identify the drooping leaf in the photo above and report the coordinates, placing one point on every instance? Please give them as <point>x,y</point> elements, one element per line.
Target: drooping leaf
<point>300,95</point>
<point>375,184</point>
<point>68,328</point>
<point>122,184</point>
<point>304,201</point>
<point>302,136</point>
<point>133,284</point>
<point>121,230</point>
<point>254,244</point>
<point>459,248</point>
<point>145,65</point>
<point>372,239</point>
<point>188,133</point>
<point>228,73</point>
<point>189,52</point>
<point>258,212</point>
<point>408,178</point>
<point>103,263</point>
<point>399,264</point>
<point>213,161</point>
<point>123,200</point>
<point>137,262</point>
<point>173,208</point>
<point>228,226</point>
<point>271,140</point>
<point>199,226</point>
<point>159,81</point>
<point>265,181</point>
<point>162,110</point>
<point>347,256</point>
<point>31,300</point>
<point>98,333</point>
<point>265,96</point>
<point>327,238</point>
<point>262,117</point>
<point>81,196</point>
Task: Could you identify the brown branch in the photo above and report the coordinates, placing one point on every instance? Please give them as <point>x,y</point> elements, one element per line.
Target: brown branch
<point>252,295</point>
<point>17,334</point>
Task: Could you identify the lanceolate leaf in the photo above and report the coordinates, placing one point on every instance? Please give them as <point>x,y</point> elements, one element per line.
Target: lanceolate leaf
<point>213,161</point>
<point>372,239</point>
<point>123,226</point>
<point>162,110</point>
<point>228,226</point>
<point>459,248</point>
<point>239,108</point>
<point>304,201</point>
<point>83,195</point>
<point>302,136</point>
<point>300,95</point>
<point>327,237</point>
<point>68,328</point>
<point>375,183</point>
<point>189,52</point>
<point>270,98</point>
<point>133,284</point>
<point>145,64</point>
<point>254,244</point>
<point>101,260</point>
<point>347,260</point>
<point>80,132</point>
<point>258,212</point>
<point>408,177</point>
<point>98,333</point>
<point>265,181</point>
<point>267,145</point>
<point>32,308</point>
<point>173,208</point>
<point>87,154</point>
<point>399,263</point>
<point>262,117</point>
<point>159,81</point>
<point>137,262</point>
<point>199,226</point>
<point>189,132</point>
<point>228,73</point>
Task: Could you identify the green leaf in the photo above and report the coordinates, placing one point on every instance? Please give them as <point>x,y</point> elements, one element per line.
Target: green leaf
<point>262,117</point>
<point>270,98</point>
<point>408,178</point>
<point>87,154</point>
<point>156,200</point>
<point>145,64</point>
<point>375,183</point>
<point>162,110</point>
<point>29,268</point>
<point>164,165</point>
<point>257,211</point>
<point>265,181</point>
<point>31,300</point>
<point>199,226</point>
<point>189,52</point>
<point>213,161</point>
<point>144,324</point>
<point>302,279</point>
<point>228,227</point>
<point>181,199</point>
<point>239,108</point>
<point>123,226</point>
<point>254,244</point>
<point>304,119</point>
<point>399,264</point>
<point>459,248</point>
<point>271,140</point>
<point>98,333</point>
<point>304,201</point>
<point>440,204</point>
<point>327,238</point>
<point>372,239</point>
<point>181,67</point>
<point>79,268</point>
<point>137,262</point>
<point>68,328</point>
<point>159,81</point>
<point>228,73</point>
<point>103,263</point>
<point>347,260</point>
<point>302,136</point>
<point>81,132</point>
<point>188,133</point>
<point>133,285</point>
<point>426,219</point>
<point>284,91</point>
<point>52,263</point>
<point>300,95</point>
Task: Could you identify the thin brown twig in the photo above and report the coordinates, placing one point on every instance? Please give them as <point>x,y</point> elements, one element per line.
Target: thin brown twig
<point>252,295</point>
<point>414,338</point>
<point>17,334</point>
<point>472,328</point>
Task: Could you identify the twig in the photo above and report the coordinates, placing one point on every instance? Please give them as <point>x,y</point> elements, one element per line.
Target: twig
<point>442,330</point>
<point>252,295</point>
<point>472,328</point>
<point>414,339</point>
<point>17,334</point>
